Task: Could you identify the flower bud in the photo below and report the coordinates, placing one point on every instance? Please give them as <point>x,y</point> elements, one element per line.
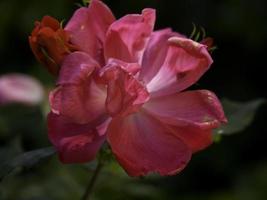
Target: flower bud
<point>208,41</point>
<point>50,43</point>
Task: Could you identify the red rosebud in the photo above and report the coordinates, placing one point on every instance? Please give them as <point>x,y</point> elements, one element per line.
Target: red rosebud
<point>50,43</point>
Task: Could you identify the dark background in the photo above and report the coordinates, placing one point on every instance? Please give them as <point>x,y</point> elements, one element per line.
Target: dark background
<point>233,169</point>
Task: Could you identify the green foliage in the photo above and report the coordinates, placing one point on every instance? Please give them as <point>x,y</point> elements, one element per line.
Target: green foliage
<point>86,2</point>
<point>239,115</point>
<point>26,160</point>
<point>23,121</point>
<point>32,176</point>
<point>198,33</point>
<point>50,181</point>
<point>69,181</point>
<point>252,184</point>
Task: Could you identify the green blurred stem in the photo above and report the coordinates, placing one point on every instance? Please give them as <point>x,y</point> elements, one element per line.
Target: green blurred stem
<point>90,186</point>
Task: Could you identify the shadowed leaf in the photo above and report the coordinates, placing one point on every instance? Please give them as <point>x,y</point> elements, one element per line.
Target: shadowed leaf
<point>25,160</point>
<point>239,114</point>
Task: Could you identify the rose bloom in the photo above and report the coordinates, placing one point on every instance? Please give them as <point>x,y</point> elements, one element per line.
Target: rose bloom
<point>125,85</point>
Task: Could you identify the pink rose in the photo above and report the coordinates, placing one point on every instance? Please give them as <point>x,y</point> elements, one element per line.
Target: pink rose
<point>126,86</point>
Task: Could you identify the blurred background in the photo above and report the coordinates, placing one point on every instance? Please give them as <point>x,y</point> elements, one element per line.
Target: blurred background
<point>233,168</point>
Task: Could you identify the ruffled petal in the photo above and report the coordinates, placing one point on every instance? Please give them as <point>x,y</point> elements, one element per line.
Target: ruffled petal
<point>88,28</point>
<point>200,109</point>
<point>143,144</point>
<point>128,36</point>
<point>155,53</point>
<point>75,143</point>
<point>125,94</point>
<point>186,61</point>
<point>77,68</point>
<point>78,97</point>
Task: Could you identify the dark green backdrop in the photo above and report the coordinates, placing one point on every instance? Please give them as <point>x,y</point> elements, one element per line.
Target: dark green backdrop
<point>233,169</point>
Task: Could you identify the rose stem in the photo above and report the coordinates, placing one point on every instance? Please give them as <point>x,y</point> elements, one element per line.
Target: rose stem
<point>92,182</point>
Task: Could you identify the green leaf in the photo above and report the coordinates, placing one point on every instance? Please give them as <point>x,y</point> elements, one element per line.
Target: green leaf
<point>193,31</point>
<point>197,36</point>
<point>17,121</point>
<point>25,160</point>
<point>239,115</point>
<point>62,23</point>
<point>10,150</point>
<point>204,34</point>
<point>86,2</point>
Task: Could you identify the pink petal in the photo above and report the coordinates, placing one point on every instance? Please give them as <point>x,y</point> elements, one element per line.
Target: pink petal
<point>155,53</point>
<point>195,138</point>
<point>143,144</point>
<point>186,61</point>
<point>75,143</point>
<point>102,128</point>
<point>125,94</point>
<point>132,68</point>
<point>76,68</point>
<point>78,97</point>
<point>200,109</point>
<point>128,36</point>
<point>20,88</point>
<point>88,28</point>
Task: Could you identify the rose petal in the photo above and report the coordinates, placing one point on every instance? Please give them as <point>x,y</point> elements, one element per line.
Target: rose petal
<point>200,108</point>
<point>125,94</point>
<point>128,36</point>
<point>102,128</point>
<point>77,68</point>
<point>75,143</point>
<point>185,63</point>
<point>88,28</point>
<point>49,21</point>
<point>78,96</point>
<point>195,138</point>
<point>53,43</point>
<point>155,53</point>
<point>20,88</point>
<point>132,68</point>
<point>143,144</point>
